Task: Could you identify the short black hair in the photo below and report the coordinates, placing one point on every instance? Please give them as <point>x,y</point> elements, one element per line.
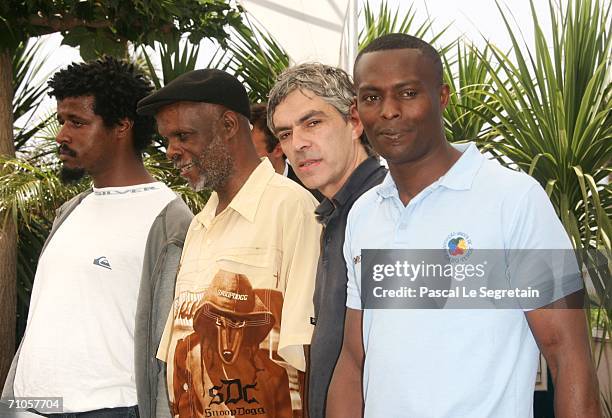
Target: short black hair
<point>116,86</point>
<point>403,41</point>
<point>259,115</point>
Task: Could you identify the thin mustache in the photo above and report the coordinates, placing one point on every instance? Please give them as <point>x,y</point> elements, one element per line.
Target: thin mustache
<point>64,149</point>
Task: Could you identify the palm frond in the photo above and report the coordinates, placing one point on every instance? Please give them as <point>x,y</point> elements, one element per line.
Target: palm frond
<point>385,21</point>
<point>468,76</point>
<point>28,93</point>
<point>177,56</point>
<point>550,113</point>
<point>28,192</point>
<point>257,59</point>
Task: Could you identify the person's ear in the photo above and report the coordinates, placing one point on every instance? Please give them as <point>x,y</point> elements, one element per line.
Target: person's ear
<point>277,152</point>
<point>354,120</point>
<point>123,127</point>
<point>230,123</point>
<point>444,96</point>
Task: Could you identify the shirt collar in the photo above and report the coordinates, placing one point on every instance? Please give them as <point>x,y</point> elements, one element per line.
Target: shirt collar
<point>352,185</point>
<point>387,188</point>
<point>246,201</point>
<point>459,177</point>
<point>356,180</point>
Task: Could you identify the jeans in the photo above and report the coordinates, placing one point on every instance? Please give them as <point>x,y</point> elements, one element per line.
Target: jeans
<point>123,412</point>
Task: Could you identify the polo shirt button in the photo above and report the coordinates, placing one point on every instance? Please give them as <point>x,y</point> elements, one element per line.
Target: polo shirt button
<point>185,387</point>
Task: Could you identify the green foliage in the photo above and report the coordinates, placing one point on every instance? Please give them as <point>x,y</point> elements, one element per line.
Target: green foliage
<point>29,191</point>
<point>550,113</point>
<point>27,64</point>
<point>386,21</point>
<point>468,77</point>
<point>257,59</point>
<point>599,319</point>
<point>176,59</point>
<point>42,149</point>
<point>106,26</point>
<point>27,94</point>
<point>555,107</point>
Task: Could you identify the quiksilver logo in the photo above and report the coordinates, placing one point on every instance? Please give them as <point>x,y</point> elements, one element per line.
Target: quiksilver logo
<point>102,262</point>
<point>121,192</point>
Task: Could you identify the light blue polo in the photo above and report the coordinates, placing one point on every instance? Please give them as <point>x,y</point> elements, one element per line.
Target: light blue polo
<point>451,363</point>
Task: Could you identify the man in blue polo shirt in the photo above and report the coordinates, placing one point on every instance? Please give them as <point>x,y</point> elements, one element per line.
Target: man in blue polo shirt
<point>447,363</point>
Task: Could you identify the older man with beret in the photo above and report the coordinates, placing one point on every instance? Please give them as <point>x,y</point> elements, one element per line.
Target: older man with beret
<point>258,232</point>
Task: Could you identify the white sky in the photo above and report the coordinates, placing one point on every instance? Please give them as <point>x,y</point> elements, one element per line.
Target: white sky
<point>474,19</point>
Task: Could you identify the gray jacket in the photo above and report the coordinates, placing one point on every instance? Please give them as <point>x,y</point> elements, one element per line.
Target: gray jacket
<point>161,261</point>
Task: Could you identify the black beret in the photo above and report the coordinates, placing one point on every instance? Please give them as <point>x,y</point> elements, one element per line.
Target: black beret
<point>208,86</point>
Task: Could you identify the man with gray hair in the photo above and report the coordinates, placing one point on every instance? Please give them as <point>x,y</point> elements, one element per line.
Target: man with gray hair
<point>310,111</point>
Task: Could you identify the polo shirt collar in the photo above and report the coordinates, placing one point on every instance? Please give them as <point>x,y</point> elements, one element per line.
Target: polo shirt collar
<point>246,201</point>
<point>387,188</point>
<point>352,185</point>
<point>459,177</point>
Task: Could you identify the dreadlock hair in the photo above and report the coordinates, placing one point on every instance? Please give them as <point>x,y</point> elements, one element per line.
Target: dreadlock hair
<point>403,41</point>
<point>116,86</point>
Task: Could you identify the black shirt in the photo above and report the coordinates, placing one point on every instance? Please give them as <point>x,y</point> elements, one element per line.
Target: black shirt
<point>330,287</point>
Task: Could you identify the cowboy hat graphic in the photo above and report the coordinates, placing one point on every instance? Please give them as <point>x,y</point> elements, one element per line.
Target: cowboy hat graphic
<point>231,307</point>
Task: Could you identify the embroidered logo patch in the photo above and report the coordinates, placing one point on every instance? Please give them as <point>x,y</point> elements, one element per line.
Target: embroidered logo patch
<point>458,246</point>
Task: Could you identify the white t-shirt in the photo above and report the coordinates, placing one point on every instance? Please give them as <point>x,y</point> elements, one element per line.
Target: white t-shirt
<point>79,340</point>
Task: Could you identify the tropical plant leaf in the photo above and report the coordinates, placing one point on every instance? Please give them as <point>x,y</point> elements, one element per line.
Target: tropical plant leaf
<point>28,92</point>
<point>29,192</point>
<point>177,56</point>
<point>256,58</point>
<point>468,75</point>
<point>549,113</point>
<point>386,21</point>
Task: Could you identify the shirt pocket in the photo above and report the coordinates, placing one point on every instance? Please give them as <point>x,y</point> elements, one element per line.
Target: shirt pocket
<point>260,265</point>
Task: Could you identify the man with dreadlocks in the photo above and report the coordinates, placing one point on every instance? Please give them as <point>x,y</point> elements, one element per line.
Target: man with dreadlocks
<point>105,278</point>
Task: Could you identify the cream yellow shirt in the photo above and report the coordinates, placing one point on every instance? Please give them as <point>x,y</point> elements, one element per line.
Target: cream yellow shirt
<point>268,234</point>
